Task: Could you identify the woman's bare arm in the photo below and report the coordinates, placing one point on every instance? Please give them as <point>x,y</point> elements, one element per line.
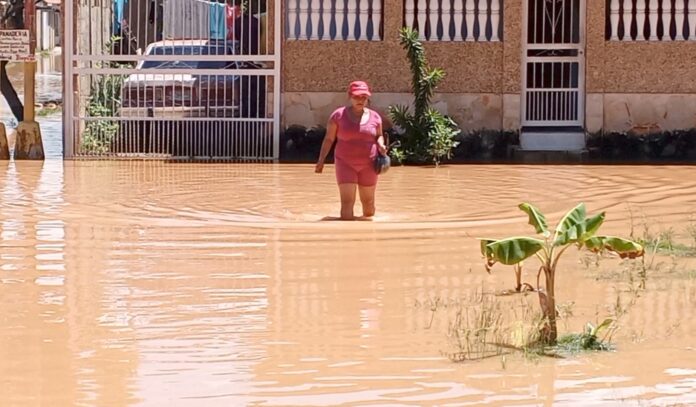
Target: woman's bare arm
<point>329,139</point>
<point>381,143</point>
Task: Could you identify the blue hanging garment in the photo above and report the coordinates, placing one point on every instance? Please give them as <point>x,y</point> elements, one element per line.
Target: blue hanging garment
<point>119,5</point>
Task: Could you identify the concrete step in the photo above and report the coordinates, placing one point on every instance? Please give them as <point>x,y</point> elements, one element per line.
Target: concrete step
<point>552,141</point>
<point>522,156</point>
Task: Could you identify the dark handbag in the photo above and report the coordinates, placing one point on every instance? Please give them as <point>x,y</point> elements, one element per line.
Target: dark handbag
<point>382,162</point>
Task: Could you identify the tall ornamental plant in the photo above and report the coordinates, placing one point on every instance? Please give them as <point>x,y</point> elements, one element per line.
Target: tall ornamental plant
<point>428,134</point>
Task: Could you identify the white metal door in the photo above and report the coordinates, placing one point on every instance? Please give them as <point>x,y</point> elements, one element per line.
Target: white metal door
<point>172,78</point>
<point>553,63</point>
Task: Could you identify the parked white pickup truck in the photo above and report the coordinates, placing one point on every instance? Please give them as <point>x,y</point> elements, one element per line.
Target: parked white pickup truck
<point>188,94</point>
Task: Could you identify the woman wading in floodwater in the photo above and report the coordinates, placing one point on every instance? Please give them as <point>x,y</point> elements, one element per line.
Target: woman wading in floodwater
<point>359,134</point>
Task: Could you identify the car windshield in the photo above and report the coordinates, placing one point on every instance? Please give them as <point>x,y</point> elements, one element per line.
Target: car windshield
<point>174,50</point>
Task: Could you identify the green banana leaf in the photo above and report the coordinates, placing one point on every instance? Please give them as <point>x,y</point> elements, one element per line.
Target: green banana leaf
<point>536,218</point>
<point>623,247</point>
<point>566,230</point>
<point>592,226</point>
<point>581,231</point>
<point>513,250</point>
<point>596,330</point>
<point>488,253</point>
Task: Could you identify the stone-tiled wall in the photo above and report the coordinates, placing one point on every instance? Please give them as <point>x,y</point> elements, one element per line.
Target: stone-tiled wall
<point>636,67</point>
<point>482,79</point>
<point>470,111</point>
<point>652,81</point>
<point>649,112</point>
<point>328,66</point>
<point>643,86</point>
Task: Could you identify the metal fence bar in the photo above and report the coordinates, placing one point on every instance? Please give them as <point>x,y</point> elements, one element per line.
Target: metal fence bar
<point>171,78</point>
<point>68,108</point>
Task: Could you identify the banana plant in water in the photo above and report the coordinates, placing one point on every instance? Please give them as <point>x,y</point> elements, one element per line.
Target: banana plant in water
<point>574,229</point>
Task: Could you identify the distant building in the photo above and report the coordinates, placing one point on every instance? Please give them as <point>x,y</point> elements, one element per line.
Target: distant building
<point>48,25</point>
<point>552,70</point>
<point>527,65</point>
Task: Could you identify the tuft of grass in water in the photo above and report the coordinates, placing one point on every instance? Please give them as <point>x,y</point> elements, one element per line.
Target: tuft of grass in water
<point>691,230</point>
<point>475,330</point>
<point>576,343</point>
<point>588,340</point>
<point>43,112</point>
<point>665,256</point>
<point>486,326</point>
<point>664,241</point>
<point>491,327</point>
<point>668,247</point>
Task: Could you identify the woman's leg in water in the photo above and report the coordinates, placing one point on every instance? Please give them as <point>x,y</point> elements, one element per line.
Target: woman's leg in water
<point>367,185</point>
<point>347,179</point>
<point>347,192</point>
<point>367,198</point>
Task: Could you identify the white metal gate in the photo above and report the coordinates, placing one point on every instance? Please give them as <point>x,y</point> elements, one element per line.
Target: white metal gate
<point>172,78</point>
<point>553,63</point>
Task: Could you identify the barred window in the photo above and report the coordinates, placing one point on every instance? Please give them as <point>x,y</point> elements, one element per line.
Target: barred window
<point>338,20</point>
<point>651,20</point>
<point>455,20</point>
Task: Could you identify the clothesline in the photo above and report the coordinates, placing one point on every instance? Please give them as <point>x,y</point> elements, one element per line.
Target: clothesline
<point>189,18</point>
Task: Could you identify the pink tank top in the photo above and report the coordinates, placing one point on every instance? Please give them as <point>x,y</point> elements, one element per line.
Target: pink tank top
<point>356,143</point>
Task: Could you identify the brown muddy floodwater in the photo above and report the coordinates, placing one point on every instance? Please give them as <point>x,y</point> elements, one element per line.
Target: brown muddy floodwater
<point>156,284</point>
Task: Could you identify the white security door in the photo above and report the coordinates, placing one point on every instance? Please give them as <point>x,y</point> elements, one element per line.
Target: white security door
<point>553,64</point>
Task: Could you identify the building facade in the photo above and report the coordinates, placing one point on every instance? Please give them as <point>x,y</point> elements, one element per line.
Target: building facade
<point>614,65</point>
<point>552,69</point>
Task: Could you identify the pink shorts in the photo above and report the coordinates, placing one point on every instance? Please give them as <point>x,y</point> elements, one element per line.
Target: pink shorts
<point>363,174</point>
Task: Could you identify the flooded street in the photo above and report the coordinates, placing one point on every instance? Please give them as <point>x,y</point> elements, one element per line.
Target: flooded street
<point>149,283</point>
<point>49,80</point>
<point>49,88</point>
<point>152,283</point>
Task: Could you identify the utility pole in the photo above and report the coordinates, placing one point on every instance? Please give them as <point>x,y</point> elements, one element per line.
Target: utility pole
<point>29,145</point>
<point>4,145</point>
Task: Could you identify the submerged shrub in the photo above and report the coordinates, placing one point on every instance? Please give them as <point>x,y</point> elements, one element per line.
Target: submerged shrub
<point>589,339</point>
